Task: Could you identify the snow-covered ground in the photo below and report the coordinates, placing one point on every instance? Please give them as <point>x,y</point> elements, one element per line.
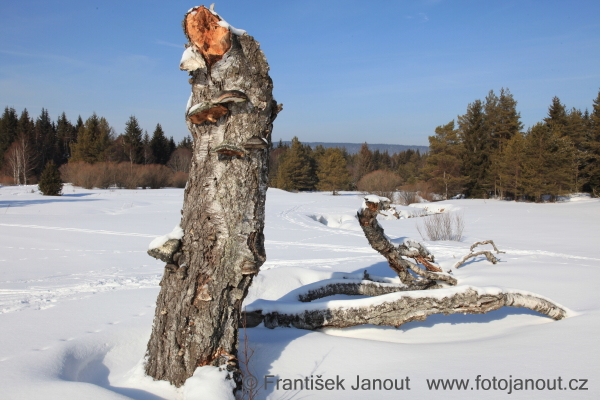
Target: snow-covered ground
<point>77,294</point>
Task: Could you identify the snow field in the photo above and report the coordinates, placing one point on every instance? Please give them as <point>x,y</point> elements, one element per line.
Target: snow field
<point>77,294</point>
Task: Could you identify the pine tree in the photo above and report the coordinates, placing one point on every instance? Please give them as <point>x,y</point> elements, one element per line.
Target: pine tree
<point>443,163</point>
<point>511,165</point>
<point>133,140</point>
<point>363,163</point>
<point>50,183</point>
<point>296,171</point>
<point>476,147</point>
<point>332,172</point>
<point>502,123</point>
<point>159,145</point>
<point>93,141</point>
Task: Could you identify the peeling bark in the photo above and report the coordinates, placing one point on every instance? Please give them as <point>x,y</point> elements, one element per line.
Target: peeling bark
<point>399,308</point>
<point>198,308</point>
<point>367,218</point>
<point>393,304</point>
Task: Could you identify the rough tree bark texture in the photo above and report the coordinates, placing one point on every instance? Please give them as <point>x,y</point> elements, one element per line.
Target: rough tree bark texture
<point>399,309</point>
<point>415,298</point>
<point>230,116</point>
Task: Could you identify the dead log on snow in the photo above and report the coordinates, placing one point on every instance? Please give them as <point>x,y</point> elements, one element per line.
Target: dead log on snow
<point>397,309</point>
<point>392,304</point>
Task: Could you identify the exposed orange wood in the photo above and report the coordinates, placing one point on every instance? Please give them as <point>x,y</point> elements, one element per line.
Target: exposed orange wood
<point>210,39</point>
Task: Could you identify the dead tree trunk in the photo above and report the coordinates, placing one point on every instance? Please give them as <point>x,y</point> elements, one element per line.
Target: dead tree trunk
<point>230,115</point>
<point>422,291</point>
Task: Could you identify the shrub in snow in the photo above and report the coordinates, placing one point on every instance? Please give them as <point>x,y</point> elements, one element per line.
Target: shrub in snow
<point>382,183</point>
<point>50,183</point>
<point>444,226</point>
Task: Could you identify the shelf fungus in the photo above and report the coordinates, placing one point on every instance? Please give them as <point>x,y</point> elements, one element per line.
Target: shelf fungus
<point>250,268</point>
<point>206,111</point>
<point>166,251</point>
<point>202,295</point>
<point>230,96</point>
<point>256,142</point>
<point>229,150</point>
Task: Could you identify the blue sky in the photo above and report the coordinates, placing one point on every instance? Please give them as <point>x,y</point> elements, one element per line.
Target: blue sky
<point>346,71</point>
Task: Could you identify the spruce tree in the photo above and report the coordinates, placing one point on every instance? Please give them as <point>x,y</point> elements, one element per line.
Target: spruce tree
<point>8,130</point>
<point>591,167</point>
<point>66,134</point>
<point>557,116</point>
<point>45,140</point>
<point>147,151</point>
<point>172,147</point>
<point>50,183</point>
<point>548,163</point>
<point>133,140</point>
<point>186,143</point>
<point>159,145</point>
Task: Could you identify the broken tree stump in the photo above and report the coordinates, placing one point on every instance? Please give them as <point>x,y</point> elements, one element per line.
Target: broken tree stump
<point>230,113</point>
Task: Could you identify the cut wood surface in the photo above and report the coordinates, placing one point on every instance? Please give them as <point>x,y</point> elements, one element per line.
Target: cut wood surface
<point>202,290</point>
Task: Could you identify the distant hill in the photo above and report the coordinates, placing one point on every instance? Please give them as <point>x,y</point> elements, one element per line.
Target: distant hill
<point>354,148</point>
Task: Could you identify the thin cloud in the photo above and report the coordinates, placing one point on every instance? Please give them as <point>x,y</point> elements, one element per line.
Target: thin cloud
<point>163,43</point>
<point>421,17</point>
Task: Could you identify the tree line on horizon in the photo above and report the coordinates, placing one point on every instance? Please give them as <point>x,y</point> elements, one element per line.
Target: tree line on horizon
<point>484,154</point>
<point>28,145</point>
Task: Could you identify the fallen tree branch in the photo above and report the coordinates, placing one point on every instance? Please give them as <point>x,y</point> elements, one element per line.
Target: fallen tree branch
<point>396,309</point>
<point>486,242</point>
<point>486,253</point>
<point>367,217</point>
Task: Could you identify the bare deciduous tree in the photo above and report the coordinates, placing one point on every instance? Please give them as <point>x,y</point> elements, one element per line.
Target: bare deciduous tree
<point>20,160</point>
<point>180,160</point>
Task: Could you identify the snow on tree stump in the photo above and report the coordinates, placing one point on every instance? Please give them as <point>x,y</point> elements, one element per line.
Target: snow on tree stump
<point>230,113</point>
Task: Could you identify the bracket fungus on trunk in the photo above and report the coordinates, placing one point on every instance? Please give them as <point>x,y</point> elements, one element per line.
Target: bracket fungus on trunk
<point>230,96</point>
<point>223,213</point>
<point>206,111</point>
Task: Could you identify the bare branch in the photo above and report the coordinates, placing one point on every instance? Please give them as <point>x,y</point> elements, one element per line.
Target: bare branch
<point>396,309</point>
<point>486,253</point>
<point>367,217</point>
<point>486,242</point>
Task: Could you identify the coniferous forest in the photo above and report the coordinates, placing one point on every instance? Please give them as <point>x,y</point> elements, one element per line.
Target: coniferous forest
<point>484,153</point>
<point>89,153</point>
